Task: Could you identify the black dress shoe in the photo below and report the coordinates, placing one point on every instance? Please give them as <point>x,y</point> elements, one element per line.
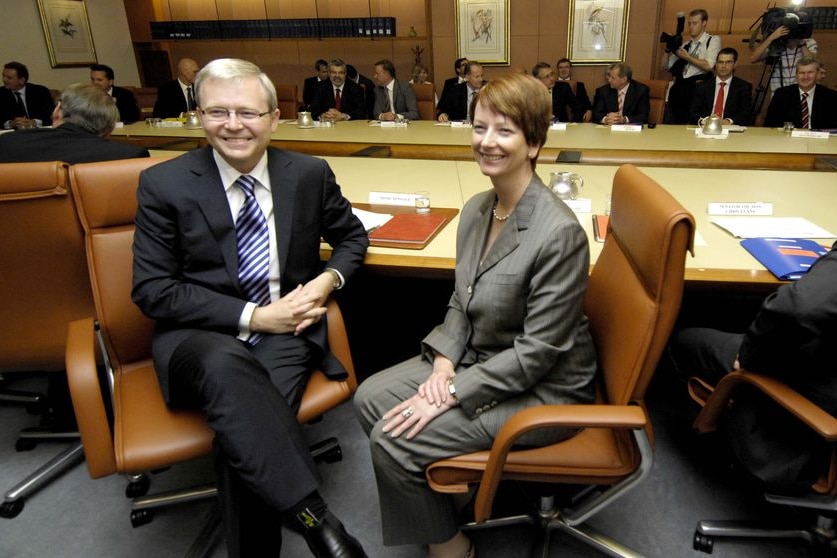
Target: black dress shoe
<point>327,538</point>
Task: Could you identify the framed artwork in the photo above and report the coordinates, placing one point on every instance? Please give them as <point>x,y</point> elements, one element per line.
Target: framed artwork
<point>67,33</point>
<point>598,29</point>
<point>482,31</point>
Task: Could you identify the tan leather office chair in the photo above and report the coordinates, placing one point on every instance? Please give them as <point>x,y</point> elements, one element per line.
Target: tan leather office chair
<point>288,97</point>
<point>426,100</point>
<point>43,286</point>
<point>144,434</point>
<point>632,301</point>
<point>822,496</point>
<point>146,97</point>
<point>657,98</point>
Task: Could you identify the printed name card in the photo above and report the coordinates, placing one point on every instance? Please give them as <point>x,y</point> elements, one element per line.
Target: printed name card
<point>560,126</point>
<point>392,124</point>
<point>740,208</point>
<point>392,198</point>
<point>460,124</point>
<point>809,134</point>
<point>626,128</point>
<point>580,205</point>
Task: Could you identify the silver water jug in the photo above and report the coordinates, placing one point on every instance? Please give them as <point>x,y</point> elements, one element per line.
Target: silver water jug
<point>566,185</point>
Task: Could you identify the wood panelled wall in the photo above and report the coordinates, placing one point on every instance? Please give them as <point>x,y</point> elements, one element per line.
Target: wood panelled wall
<point>538,31</point>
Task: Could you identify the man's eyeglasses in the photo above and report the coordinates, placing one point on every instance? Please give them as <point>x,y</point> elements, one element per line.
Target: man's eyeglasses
<point>219,114</point>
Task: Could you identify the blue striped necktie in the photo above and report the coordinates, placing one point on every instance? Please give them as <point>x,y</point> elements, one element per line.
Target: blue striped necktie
<point>253,249</point>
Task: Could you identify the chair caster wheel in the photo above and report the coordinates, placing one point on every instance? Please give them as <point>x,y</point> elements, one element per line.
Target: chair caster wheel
<point>141,517</point>
<point>11,509</point>
<point>138,488</point>
<point>703,543</point>
<point>22,444</point>
<point>333,455</point>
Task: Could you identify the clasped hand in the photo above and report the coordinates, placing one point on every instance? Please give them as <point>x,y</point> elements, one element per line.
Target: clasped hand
<point>431,400</point>
<point>295,311</point>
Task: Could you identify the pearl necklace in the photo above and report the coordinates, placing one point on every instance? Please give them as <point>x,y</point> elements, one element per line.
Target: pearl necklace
<point>496,216</point>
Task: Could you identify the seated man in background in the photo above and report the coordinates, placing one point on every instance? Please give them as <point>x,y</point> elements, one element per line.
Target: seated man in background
<point>459,68</point>
<point>82,119</point>
<point>565,68</point>
<point>792,338</point>
<point>560,92</point>
<point>456,101</point>
<point>23,104</point>
<point>309,86</point>
<point>177,96</point>
<point>727,96</point>
<point>394,98</point>
<point>368,87</point>
<point>338,98</point>
<point>806,104</point>
<point>622,100</point>
<point>102,77</point>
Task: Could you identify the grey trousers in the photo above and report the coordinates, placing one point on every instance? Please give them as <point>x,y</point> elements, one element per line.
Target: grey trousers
<point>412,513</point>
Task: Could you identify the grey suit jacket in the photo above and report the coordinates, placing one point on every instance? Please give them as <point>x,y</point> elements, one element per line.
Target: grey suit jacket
<point>403,97</point>
<point>185,256</point>
<point>515,321</point>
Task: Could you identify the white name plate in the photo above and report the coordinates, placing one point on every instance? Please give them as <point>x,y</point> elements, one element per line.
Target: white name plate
<point>626,128</point>
<point>460,124</point>
<point>560,126</point>
<point>392,124</point>
<point>392,198</point>
<point>580,205</point>
<point>809,134</point>
<point>740,208</point>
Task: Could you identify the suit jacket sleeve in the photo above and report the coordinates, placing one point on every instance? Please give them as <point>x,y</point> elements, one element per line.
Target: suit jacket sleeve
<point>405,101</point>
<point>170,101</point>
<point>780,108</point>
<point>583,98</point>
<point>600,104</point>
<point>354,103</point>
<point>740,106</point>
<point>127,104</point>
<point>641,108</point>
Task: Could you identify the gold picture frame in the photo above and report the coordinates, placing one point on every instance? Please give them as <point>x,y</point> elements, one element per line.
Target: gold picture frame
<point>598,31</point>
<point>67,33</point>
<point>482,31</point>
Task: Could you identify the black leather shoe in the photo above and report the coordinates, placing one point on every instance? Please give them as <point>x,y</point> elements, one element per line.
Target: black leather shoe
<point>327,538</point>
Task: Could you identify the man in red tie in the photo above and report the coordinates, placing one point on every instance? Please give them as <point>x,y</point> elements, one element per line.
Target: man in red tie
<point>727,96</point>
<point>804,103</point>
<point>338,98</point>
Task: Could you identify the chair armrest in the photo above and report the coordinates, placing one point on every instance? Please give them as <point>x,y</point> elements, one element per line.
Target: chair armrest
<point>338,341</point>
<point>88,403</point>
<point>802,408</point>
<point>631,417</point>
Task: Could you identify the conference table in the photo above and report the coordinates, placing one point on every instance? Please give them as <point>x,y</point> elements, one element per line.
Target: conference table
<point>663,146</point>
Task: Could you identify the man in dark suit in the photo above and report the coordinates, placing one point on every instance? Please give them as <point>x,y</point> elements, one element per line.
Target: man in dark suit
<point>820,102</point>
<point>102,77</point>
<point>792,338</point>
<point>310,85</point>
<point>352,104</point>
<point>455,103</point>
<point>368,88</point>
<point>23,104</point>
<point>727,96</point>
<point>178,96</point>
<point>565,68</point>
<point>81,121</point>
<point>227,261</point>
<point>394,98</point>
<point>561,93</point>
<point>459,67</point>
<point>635,103</point>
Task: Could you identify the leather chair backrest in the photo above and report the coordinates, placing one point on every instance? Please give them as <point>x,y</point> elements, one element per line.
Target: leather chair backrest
<point>426,100</point>
<point>287,95</point>
<point>636,286</point>
<point>146,97</point>
<point>43,285</point>
<point>107,203</point>
<point>657,98</point>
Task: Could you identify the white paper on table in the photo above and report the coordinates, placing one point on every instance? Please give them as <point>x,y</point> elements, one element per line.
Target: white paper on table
<point>370,219</point>
<point>775,227</point>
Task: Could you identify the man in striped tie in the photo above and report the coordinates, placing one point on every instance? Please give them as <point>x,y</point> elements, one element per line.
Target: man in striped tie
<point>227,261</point>
<point>806,104</point>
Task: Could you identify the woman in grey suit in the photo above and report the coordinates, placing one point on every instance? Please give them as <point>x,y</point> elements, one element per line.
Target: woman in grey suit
<point>514,335</point>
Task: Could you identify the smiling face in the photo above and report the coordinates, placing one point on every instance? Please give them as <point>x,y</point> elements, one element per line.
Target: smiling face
<point>499,146</point>
<point>381,76</point>
<point>474,79</point>
<point>806,76</point>
<point>615,80</point>
<point>546,77</point>
<point>337,74</point>
<point>100,80</point>
<point>240,143</point>
<point>564,70</point>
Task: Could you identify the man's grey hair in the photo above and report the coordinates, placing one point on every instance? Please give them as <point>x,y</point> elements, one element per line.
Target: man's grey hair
<point>808,60</point>
<point>233,69</point>
<point>623,69</point>
<point>87,106</point>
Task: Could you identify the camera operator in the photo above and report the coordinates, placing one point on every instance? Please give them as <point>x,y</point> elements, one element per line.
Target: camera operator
<point>690,64</point>
<point>784,56</point>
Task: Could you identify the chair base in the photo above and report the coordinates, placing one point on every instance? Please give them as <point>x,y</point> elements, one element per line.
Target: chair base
<point>820,535</point>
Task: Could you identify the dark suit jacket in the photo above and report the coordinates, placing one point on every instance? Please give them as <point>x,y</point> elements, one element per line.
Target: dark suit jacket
<point>309,89</point>
<point>562,98</point>
<point>454,102</point>
<point>636,108</point>
<point>170,100</point>
<point>403,97</point>
<point>784,107</point>
<point>352,101</point>
<point>126,103</point>
<point>582,96</point>
<point>737,106</point>
<point>67,142</point>
<point>450,83</point>
<point>39,104</point>
<point>185,257</point>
